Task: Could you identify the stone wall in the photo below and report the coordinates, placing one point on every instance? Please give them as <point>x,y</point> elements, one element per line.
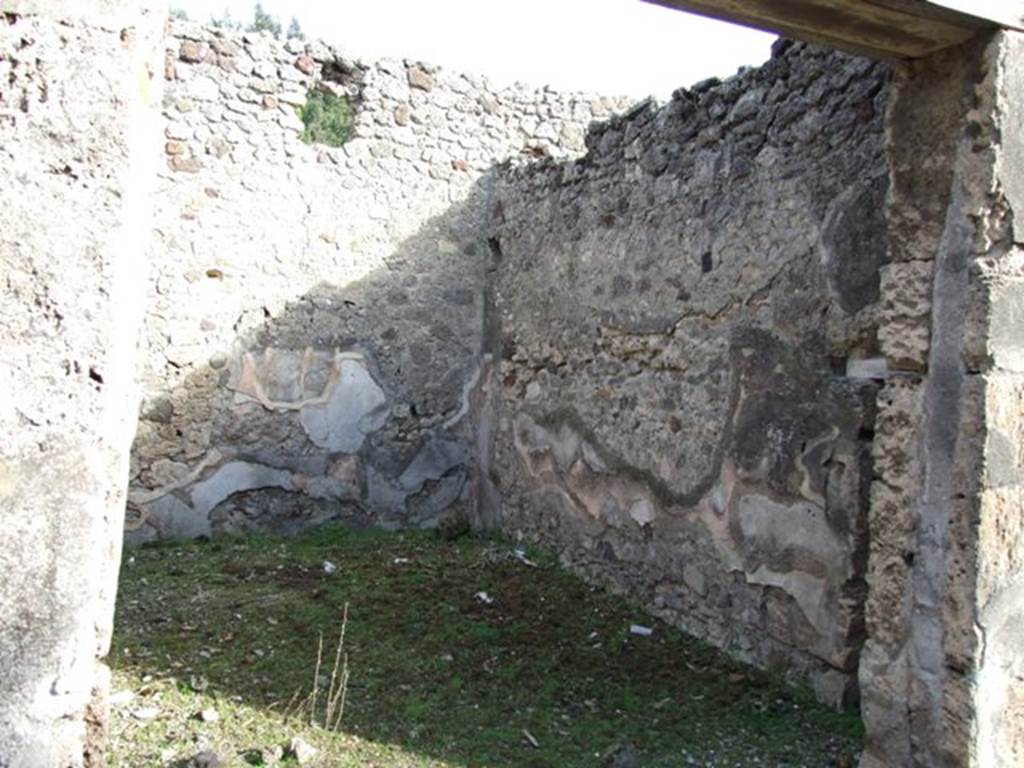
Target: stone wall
<point>943,666</point>
<point>689,319</point>
<point>315,331</point>
<point>719,362</point>
<point>79,92</point>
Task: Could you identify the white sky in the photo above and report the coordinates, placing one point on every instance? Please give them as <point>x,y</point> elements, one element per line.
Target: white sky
<point>615,47</point>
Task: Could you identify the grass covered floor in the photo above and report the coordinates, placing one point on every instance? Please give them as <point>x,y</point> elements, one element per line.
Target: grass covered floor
<point>216,644</point>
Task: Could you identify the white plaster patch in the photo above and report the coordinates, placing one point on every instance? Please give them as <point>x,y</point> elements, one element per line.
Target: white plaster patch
<point>355,408</point>
<point>642,511</point>
<point>174,519</point>
<point>799,526</point>
<point>773,527</point>
<point>234,477</point>
<point>808,592</point>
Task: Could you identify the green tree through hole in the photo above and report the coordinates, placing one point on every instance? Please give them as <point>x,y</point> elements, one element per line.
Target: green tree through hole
<point>327,118</point>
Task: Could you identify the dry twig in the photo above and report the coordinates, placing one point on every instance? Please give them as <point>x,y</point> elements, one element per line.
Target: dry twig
<point>337,689</point>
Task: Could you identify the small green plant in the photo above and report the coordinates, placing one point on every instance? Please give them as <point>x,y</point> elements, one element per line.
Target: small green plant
<point>327,118</point>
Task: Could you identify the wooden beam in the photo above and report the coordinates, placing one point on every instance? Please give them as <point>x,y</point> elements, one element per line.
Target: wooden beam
<point>879,28</point>
<point>1004,13</point>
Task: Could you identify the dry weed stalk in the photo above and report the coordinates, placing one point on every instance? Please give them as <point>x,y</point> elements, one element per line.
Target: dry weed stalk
<point>293,708</point>
<point>334,706</point>
<point>316,675</point>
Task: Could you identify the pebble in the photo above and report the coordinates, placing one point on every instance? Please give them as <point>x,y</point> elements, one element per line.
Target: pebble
<point>302,751</point>
<point>206,758</point>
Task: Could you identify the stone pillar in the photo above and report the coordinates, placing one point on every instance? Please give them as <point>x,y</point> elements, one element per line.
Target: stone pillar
<point>79,91</point>
<point>942,673</point>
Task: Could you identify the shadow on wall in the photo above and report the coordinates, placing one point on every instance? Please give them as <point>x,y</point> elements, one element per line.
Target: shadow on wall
<point>316,339</point>
<point>358,401</point>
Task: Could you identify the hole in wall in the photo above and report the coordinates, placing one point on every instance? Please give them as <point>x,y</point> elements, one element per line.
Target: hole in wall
<point>332,104</point>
